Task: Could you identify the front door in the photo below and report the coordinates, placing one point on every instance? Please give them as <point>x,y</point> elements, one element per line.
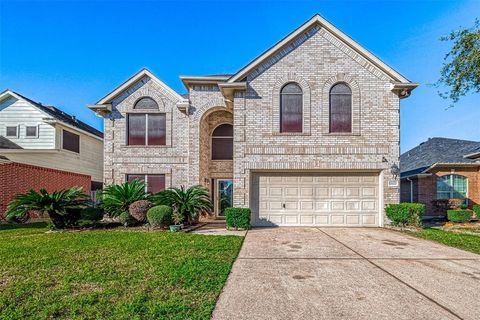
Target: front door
<point>224,196</point>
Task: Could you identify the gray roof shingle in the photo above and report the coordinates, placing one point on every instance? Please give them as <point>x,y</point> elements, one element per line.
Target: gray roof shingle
<point>64,117</point>
<point>436,150</point>
<point>6,143</point>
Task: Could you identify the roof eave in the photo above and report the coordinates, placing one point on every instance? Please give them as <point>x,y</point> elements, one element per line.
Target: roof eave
<point>191,80</point>
<point>317,19</point>
<point>144,72</point>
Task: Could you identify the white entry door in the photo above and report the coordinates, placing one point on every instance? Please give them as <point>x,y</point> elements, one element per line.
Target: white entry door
<point>318,200</point>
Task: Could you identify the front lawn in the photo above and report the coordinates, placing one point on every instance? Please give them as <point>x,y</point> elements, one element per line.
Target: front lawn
<point>468,242</point>
<point>111,274</point>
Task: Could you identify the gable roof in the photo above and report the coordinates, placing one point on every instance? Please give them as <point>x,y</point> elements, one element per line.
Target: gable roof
<point>133,79</point>
<point>57,114</point>
<point>319,20</point>
<point>436,151</point>
<point>6,143</point>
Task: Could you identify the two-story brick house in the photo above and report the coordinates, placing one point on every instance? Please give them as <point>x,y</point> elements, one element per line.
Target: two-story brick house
<point>305,134</point>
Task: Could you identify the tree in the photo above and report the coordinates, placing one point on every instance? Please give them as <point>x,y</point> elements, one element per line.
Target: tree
<point>461,69</point>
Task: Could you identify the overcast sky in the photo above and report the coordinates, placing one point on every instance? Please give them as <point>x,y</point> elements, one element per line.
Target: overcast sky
<point>71,53</point>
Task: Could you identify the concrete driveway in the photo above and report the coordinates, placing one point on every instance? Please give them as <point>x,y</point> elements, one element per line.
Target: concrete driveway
<point>357,273</point>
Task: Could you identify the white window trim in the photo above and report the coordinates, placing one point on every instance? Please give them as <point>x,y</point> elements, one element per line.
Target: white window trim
<point>452,186</point>
<point>17,132</point>
<point>37,133</point>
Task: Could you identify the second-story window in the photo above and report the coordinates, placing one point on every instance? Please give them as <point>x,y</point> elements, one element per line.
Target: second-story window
<point>12,131</point>
<point>31,131</point>
<point>71,141</point>
<point>146,129</point>
<point>291,108</point>
<point>340,108</point>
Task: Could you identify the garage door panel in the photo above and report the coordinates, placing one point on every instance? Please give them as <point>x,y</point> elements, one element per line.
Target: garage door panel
<point>319,199</point>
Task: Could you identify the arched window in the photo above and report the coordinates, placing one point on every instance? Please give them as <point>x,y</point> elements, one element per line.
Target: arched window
<point>146,103</point>
<point>452,186</point>
<point>222,142</point>
<point>340,108</point>
<point>291,108</point>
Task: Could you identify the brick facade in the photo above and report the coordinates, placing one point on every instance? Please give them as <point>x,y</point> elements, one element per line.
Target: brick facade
<point>425,188</point>
<point>316,60</point>
<point>19,178</point>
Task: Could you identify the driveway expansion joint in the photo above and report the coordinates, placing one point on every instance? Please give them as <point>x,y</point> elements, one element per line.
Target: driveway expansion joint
<point>392,275</point>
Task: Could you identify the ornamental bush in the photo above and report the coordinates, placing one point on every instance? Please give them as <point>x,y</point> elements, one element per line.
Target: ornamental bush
<point>459,215</point>
<point>160,216</point>
<point>90,216</point>
<point>125,219</point>
<point>237,218</point>
<point>405,213</point>
<point>476,209</point>
<point>138,210</point>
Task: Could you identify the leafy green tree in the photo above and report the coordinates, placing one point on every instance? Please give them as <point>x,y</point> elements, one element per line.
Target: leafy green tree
<point>116,198</point>
<point>190,203</point>
<point>461,69</point>
<point>63,207</point>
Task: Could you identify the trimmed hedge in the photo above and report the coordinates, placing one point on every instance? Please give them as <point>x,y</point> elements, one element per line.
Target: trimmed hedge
<point>405,213</point>
<point>459,215</point>
<point>160,216</point>
<point>476,209</point>
<point>237,218</point>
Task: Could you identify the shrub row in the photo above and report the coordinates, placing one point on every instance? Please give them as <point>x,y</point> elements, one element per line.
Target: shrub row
<point>402,214</point>
<point>459,215</point>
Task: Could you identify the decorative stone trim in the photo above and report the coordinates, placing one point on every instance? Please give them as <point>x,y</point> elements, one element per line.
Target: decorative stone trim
<point>279,83</point>
<point>356,100</point>
<point>294,149</point>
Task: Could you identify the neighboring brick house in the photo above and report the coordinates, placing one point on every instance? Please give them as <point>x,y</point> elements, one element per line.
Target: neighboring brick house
<point>441,168</point>
<point>305,134</point>
<point>43,147</point>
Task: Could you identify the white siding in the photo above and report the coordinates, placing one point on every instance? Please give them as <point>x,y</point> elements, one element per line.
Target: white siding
<point>89,161</point>
<point>14,112</point>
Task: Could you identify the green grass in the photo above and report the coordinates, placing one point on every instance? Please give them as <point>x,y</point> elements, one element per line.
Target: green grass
<point>468,242</point>
<point>111,274</point>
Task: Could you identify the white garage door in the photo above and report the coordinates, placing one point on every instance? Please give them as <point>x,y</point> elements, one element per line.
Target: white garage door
<point>318,199</point>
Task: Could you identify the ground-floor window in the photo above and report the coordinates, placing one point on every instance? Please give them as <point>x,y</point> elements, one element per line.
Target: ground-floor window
<point>452,186</point>
<point>153,182</point>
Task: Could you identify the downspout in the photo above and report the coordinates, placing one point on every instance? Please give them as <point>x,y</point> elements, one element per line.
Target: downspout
<point>411,189</point>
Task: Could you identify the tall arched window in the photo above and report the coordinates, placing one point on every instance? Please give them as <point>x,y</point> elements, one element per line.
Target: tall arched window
<point>222,142</point>
<point>291,108</point>
<point>452,186</point>
<point>146,103</point>
<point>340,108</point>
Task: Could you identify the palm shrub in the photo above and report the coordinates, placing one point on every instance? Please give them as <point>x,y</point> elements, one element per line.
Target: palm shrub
<point>190,203</point>
<point>63,207</point>
<point>117,198</point>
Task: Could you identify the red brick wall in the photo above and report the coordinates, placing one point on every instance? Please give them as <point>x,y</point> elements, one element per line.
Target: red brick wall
<point>18,178</point>
<point>426,187</point>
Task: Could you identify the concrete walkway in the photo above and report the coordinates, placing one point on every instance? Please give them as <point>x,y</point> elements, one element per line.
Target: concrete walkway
<point>357,273</point>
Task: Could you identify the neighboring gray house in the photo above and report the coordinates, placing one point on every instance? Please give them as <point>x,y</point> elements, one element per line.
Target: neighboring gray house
<point>305,134</point>
<point>438,169</point>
